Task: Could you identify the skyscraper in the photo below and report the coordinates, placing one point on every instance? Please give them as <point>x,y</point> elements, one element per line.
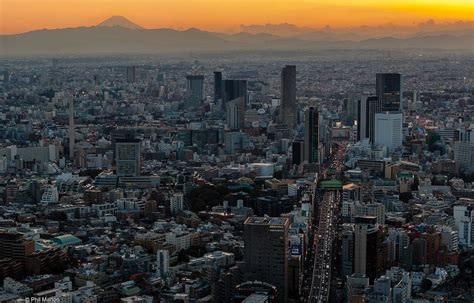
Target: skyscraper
<point>368,248</point>
<point>367,108</point>
<point>127,157</point>
<point>235,113</point>
<point>217,86</point>
<point>131,75</point>
<point>389,130</point>
<point>311,135</point>
<point>389,91</point>
<point>194,90</point>
<point>234,89</point>
<point>266,252</point>
<point>287,115</point>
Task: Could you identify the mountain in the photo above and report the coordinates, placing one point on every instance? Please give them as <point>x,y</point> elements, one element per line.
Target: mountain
<point>116,38</point>
<point>119,21</point>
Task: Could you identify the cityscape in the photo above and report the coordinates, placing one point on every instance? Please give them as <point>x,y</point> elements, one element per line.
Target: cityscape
<point>268,170</point>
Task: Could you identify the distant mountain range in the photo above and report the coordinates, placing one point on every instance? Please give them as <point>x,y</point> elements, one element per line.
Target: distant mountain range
<point>120,21</point>
<point>121,36</point>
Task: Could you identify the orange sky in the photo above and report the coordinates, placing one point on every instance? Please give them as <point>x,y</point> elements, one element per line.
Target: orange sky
<point>226,15</point>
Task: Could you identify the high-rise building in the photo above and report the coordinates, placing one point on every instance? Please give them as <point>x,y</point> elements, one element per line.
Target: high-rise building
<point>266,252</point>
<point>297,152</point>
<point>194,90</point>
<point>351,109</point>
<point>367,108</point>
<point>311,135</point>
<point>368,248</point>
<point>287,115</point>
<point>163,263</point>
<point>389,130</point>
<point>127,157</point>
<point>389,90</point>
<point>131,74</point>
<point>464,154</point>
<point>234,89</point>
<point>235,113</point>
<point>217,86</point>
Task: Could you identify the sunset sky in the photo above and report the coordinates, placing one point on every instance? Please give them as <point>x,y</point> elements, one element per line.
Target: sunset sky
<point>226,15</point>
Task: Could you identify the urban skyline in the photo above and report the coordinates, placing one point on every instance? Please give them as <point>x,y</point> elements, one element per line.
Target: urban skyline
<point>274,160</point>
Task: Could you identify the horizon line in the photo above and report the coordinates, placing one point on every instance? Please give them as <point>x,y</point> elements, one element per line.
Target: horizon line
<point>429,21</point>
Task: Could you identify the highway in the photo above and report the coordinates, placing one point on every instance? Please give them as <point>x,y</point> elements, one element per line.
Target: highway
<point>324,235</point>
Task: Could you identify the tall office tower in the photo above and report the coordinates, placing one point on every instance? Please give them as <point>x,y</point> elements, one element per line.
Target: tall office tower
<point>287,115</point>
<point>311,135</point>
<point>234,89</point>
<point>217,86</point>
<point>351,109</point>
<point>127,157</point>
<point>390,92</point>
<point>72,130</point>
<point>162,263</point>
<point>368,248</point>
<point>194,90</point>
<point>131,74</point>
<point>266,252</point>
<point>389,130</point>
<point>367,108</point>
<point>297,152</point>
<point>235,113</point>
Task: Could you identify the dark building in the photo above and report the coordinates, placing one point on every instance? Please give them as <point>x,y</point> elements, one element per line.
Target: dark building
<point>297,152</point>
<point>14,246</point>
<point>389,91</point>
<point>367,108</point>
<point>287,115</point>
<point>311,135</point>
<point>266,252</point>
<point>131,74</point>
<point>194,90</point>
<point>217,86</point>
<point>14,252</point>
<point>369,256</point>
<point>234,89</point>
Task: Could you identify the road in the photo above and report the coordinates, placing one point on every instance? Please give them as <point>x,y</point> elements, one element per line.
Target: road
<point>317,280</point>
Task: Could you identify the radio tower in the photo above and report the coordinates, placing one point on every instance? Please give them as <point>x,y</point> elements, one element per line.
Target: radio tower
<point>71,129</point>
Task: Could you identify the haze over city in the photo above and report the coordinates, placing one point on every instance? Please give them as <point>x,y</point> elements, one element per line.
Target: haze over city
<point>227,16</point>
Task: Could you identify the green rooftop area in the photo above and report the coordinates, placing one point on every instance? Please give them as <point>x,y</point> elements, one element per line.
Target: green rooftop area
<point>66,240</point>
<point>330,184</point>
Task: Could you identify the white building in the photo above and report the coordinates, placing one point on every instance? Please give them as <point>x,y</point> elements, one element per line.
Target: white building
<point>464,221</point>
<point>371,209</point>
<point>50,195</point>
<point>389,130</point>
<point>179,239</point>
